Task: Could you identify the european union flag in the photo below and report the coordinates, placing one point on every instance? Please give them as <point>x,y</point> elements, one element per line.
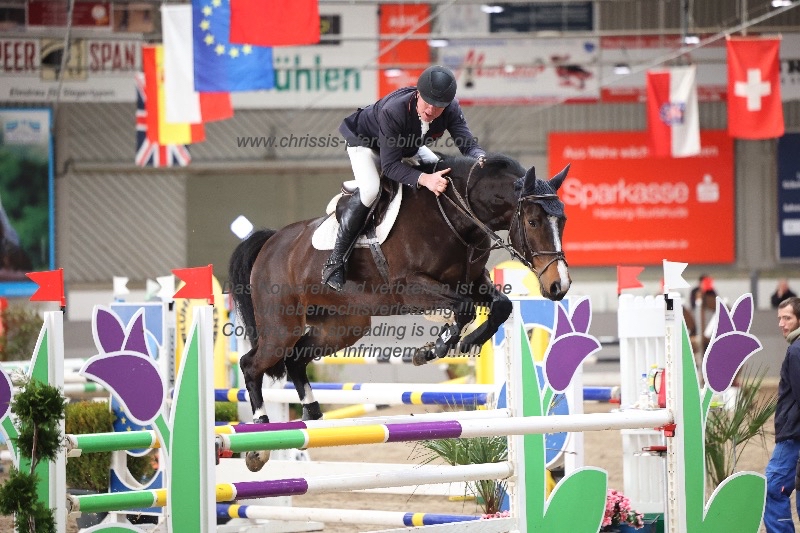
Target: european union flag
<point>220,66</point>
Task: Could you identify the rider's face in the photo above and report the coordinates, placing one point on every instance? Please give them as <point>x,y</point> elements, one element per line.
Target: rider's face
<point>426,111</point>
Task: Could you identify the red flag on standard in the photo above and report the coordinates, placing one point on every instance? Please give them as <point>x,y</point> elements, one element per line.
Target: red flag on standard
<point>197,283</point>
<point>628,277</point>
<point>274,23</point>
<point>51,286</point>
<point>755,110</point>
<point>672,113</point>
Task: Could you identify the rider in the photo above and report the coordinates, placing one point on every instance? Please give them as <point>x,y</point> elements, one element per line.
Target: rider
<point>388,137</point>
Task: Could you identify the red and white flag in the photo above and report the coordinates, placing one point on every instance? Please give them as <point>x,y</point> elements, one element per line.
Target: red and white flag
<point>754,88</point>
<point>672,114</point>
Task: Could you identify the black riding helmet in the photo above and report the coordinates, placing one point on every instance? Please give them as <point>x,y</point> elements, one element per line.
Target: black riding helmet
<point>437,86</point>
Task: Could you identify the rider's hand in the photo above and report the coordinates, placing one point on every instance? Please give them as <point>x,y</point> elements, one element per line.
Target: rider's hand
<point>435,182</point>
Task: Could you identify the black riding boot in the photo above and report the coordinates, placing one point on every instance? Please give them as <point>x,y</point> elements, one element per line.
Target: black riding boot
<point>351,221</point>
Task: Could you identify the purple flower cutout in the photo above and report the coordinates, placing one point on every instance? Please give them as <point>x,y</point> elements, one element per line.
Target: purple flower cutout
<point>570,345</point>
<point>5,394</point>
<point>124,365</point>
<point>731,345</point>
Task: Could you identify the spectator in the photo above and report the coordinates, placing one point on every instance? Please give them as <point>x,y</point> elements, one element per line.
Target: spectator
<point>781,467</point>
<point>781,293</point>
<point>704,284</point>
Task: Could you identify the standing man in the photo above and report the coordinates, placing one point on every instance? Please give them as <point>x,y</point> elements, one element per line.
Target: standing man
<point>783,463</point>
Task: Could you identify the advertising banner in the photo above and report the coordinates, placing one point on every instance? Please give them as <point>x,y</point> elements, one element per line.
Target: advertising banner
<point>524,71</point>
<point>401,63</point>
<point>625,206</point>
<point>97,70</point>
<point>26,198</point>
<point>789,197</point>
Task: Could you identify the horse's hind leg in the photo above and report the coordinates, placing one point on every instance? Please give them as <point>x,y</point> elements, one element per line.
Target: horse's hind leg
<point>296,369</point>
<point>253,381</point>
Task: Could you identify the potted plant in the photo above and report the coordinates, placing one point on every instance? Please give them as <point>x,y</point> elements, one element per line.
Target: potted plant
<point>620,515</point>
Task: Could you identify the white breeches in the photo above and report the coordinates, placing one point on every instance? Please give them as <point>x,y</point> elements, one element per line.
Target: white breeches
<point>366,165</point>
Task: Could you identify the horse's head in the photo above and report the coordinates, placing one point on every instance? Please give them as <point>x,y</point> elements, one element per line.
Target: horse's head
<point>536,231</point>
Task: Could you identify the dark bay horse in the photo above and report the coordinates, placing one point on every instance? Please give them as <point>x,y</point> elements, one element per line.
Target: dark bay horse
<point>436,255</point>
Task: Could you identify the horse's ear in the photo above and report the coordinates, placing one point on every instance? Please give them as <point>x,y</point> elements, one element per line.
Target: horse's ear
<point>558,179</point>
<point>529,183</point>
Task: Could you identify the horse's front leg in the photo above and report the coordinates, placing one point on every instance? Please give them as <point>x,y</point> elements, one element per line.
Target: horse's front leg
<point>438,295</point>
<point>296,365</point>
<point>500,307</point>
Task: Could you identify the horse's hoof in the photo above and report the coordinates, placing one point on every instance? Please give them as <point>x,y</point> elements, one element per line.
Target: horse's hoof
<point>422,356</point>
<point>312,411</point>
<point>255,461</point>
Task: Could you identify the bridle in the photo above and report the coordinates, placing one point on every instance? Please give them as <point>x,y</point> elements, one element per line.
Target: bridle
<point>463,207</point>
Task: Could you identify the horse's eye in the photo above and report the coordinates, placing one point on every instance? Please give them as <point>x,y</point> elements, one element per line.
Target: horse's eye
<point>532,223</point>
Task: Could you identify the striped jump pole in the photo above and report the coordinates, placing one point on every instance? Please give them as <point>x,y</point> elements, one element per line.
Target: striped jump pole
<point>338,516</point>
<point>131,440</point>
<point>446,429</point>
<point>228,492</point>
<point>383,397</point>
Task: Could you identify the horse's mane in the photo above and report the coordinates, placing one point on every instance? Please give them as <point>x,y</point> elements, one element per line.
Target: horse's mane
<point>460,165</point>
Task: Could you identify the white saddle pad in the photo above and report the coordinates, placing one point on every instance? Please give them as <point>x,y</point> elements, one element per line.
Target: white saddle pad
<point>325,236</point>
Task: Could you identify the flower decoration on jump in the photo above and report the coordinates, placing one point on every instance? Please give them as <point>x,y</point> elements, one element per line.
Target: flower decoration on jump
<point>5,394</point>
<point>125,367</point>
<point>732,344</point>
<point>737,504</point>
<point>569,346</point>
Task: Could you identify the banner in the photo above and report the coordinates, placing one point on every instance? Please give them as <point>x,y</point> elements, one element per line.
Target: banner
<point>97,70</point>
<point>755,110</point>
<point>673,119</point>
<point>26,199</point>
<point>524,71</point>
<point>789,197</point>
<point>624,206</point>
<point>405,56</point>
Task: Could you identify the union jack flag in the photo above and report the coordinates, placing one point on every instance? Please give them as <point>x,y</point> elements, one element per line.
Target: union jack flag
<point>148,153</point>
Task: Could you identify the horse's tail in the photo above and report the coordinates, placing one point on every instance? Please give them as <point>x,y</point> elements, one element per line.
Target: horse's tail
<point>239,278</point>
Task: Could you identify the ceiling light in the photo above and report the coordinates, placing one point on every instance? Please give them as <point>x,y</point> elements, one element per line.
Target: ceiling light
<point>490,8</point>
<point>691,38</point>
<point>438,43</point>
<point>392,72</point>
<point>781,3</point>
<point>622,69</point>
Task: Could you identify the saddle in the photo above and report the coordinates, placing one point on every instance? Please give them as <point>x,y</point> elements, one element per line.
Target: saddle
<point>379,221</point>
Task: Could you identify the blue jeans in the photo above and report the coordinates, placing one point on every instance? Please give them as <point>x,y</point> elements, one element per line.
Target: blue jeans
<point>780,482</point>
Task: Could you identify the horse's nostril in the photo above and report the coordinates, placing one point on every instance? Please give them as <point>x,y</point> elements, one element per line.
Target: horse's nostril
<point>555,288</point>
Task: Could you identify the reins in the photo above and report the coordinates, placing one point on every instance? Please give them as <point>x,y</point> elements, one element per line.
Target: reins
<point>463,207</point>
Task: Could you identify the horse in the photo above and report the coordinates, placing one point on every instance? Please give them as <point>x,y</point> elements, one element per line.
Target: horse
<point>435,258</point>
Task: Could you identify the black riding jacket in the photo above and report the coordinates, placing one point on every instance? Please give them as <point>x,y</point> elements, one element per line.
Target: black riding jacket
<point>392,127</point>
<point>787,411</point>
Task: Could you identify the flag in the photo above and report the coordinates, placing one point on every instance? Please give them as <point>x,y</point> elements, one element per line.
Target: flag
<point>275,23</point>
<point>51,286</point>
<point>182,102</point>
<point>197,283</point>
<point>220,65</point>
<point>158,129</point>
<point>673,276</point>
<point>627,277</point>
<point>672,113</point>
<point>755,110</point>
<point>149,153</point>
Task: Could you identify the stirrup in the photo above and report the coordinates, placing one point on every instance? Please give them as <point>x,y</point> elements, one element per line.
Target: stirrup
<point>333,274</point>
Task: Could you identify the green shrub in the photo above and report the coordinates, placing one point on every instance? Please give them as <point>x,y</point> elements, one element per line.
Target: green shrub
<point>225,411</point>
<point>21,330</point>
<point>91,471</point>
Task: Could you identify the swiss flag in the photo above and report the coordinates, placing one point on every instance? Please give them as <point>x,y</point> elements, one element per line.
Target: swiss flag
<point>754,88</point>
<point>672,113</point>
